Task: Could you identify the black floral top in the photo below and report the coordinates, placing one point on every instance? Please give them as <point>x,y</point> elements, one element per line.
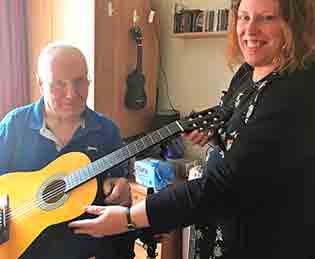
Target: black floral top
<point>242,97</point>
<point>257,192</point>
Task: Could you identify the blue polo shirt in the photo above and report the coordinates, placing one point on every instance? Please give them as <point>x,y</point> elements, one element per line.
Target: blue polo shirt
<point>23,148</point>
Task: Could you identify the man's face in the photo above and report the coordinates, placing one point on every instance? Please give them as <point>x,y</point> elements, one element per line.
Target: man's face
<point>65,85</point>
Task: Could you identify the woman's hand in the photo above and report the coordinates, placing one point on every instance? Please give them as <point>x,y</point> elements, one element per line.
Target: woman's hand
<point>110,220</point>
<point>202,138</point>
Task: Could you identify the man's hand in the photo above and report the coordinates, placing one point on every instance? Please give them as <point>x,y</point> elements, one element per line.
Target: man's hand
<point>110,220</point>
<point>117,191</point>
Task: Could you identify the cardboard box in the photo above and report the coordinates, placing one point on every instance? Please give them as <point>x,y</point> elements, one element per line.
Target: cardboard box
<point>154,173</point>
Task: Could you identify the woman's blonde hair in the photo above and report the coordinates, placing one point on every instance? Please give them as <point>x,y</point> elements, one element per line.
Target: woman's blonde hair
<point>298,31</point>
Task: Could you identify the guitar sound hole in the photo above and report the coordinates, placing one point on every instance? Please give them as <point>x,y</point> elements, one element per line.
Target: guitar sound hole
<point>54,191</point>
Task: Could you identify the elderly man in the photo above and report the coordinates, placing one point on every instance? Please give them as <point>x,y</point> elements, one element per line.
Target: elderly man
<point>60,122</point>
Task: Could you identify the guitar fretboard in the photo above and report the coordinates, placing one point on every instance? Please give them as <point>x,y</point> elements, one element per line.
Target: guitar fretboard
<point>117,157</point>
<point>139,57</point>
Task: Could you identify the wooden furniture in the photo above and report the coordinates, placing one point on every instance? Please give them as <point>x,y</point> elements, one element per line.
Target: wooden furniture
<point>100,28</point>
<point>170,248</point>
<point>116,57</point>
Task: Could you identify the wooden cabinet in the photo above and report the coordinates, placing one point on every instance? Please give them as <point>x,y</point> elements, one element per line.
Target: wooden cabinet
<point>170,247</point>
<point>104,38</point>
<point>116,57</point>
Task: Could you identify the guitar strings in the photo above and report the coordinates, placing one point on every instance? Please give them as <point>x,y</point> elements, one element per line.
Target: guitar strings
<point>28,206</point>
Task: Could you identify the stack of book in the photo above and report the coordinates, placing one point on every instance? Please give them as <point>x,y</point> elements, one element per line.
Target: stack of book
<point>196,20</point>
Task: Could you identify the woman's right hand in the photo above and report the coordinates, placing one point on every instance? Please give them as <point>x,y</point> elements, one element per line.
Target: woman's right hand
<point>202,138</point>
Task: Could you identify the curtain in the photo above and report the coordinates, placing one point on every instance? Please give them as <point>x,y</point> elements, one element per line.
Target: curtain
<point>14,79</point>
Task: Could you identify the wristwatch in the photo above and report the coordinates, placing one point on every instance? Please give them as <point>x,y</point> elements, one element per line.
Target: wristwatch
<point>130,224</point>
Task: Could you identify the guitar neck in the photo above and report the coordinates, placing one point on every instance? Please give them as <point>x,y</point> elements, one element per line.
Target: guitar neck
<point>117,157</point>
<point>139,57</point>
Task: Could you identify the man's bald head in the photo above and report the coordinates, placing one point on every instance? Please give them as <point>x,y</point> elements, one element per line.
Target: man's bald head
<point>61,53</point>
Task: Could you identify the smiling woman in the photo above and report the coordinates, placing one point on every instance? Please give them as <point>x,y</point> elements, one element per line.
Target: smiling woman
<point>258,184</point>
<point>14,82</point>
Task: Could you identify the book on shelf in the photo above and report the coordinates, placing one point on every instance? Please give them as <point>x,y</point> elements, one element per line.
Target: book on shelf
<point>196,20</point>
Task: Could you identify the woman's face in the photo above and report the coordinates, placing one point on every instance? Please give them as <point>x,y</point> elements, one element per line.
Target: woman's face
<point>259,31</point>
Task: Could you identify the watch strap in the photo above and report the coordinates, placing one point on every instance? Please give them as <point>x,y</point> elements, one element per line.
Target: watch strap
<point>130,224</point>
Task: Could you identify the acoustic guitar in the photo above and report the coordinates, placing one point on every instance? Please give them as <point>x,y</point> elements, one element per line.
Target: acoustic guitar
<point>32,201</point>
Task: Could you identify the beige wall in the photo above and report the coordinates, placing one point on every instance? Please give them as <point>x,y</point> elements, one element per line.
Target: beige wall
<point>196,68</point>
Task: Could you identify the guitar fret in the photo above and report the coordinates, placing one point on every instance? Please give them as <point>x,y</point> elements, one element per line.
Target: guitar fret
<point>174,127</point>
<point>151,138</point>
<point>166,127</point>
<point>80,174</point>
<point>147,140</point>
<point>156,136</point>
<point>139,145</point>
<point>133,148</point>
<point>143,142</point>
<point>164,133</point>
<point>124,152</point>
<point>161,137</point>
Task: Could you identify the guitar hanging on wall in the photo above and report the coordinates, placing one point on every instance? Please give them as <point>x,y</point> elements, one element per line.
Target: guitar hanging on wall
<point>135,97</point>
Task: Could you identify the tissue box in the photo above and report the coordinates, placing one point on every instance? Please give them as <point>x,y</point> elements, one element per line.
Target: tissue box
<point>154,173</point>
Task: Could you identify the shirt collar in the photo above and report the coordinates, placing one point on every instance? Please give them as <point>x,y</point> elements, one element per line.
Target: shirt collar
<point>37,117</point>
<point>90,120</point>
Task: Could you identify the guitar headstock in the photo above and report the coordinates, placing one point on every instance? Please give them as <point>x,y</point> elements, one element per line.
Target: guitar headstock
<point>137,34</point>
<point>212,118</point>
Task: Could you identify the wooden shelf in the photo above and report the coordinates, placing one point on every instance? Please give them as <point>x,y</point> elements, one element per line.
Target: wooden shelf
<point>200,35</point>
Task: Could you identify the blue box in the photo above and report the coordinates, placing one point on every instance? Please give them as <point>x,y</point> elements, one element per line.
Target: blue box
<point>154,173</point>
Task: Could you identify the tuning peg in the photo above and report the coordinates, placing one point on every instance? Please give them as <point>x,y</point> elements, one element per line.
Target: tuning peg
<point>109,8</point>
<point>135,17</point>
<point>192,113</point>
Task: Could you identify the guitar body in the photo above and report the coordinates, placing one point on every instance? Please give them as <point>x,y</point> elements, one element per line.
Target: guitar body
<point>135,97</point>
<point>30,214</point>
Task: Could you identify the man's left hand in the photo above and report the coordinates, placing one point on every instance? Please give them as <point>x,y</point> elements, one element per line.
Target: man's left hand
<point>117,191</point>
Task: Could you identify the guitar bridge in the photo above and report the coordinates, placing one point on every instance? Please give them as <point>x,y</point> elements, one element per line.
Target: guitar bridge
<point>4,220</point>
